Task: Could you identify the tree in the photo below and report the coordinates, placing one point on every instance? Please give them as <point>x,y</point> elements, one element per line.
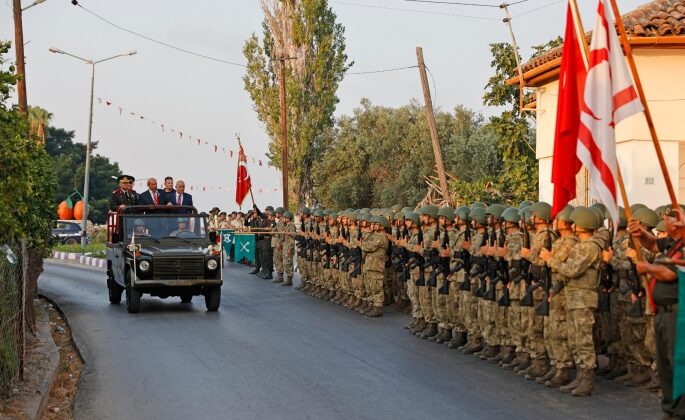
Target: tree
<point>39,120</point>
<point>306,32</point>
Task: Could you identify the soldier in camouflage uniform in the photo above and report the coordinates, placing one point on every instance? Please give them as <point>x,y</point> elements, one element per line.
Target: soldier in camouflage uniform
<point>429,216</point>
<point>358,281</point>
<point>457,275</point>
<point>288,246</point>
<point>350,243</point>
<point>374,244</point>
<point>302,263</point>
<point>443,301</point>
<point>277,245</point>
<point>512,254</point>
<point>581,268</point>
<point>555,325</point>
<point>470,307</point>
<point>413,245</point>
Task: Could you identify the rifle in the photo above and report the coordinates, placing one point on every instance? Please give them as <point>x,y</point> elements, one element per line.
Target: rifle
<point>493,267</point>
<point>356,255</point>
<point>481,261</point>
<point>345,252</point>
<point>503,268</point>
<point>434,260</point>
<point>534,274</point>
<point>444,263</point>
<point>465,261</point>
<point>326,259</point>
<point>418,260</point>
<point>606,278</point>
<point>633,285</point>
<point>300,241</point>
<point>543,308</point>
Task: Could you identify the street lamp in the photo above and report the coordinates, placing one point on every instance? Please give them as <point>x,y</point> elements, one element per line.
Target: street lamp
<point>90,131</point>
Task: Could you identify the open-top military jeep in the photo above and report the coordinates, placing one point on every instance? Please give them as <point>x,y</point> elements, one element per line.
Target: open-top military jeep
<point>162,251</point>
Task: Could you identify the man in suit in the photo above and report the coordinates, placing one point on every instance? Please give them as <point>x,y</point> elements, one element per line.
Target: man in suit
<point>152,196</point>
<point>181,198</point>
<point>124,195</point>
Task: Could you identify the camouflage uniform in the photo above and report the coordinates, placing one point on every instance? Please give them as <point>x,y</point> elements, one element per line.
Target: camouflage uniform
<point>452,320</point>
<point>513,247</point>
<point>425,292</point>
<point>470,307</point>
<point>412,289</point>
<point>375,246</point>
<point>288,248</point>
<point>277,245</point>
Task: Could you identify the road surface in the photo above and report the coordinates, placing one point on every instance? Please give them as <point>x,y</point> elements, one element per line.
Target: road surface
<point>274,353</point>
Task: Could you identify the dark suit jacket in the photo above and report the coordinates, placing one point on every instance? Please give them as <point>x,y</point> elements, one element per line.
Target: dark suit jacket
<point>186,200</point>
<point>146,198</point>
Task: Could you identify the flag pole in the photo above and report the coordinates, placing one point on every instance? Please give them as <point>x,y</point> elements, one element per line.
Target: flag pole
<point>585,51</point>
<point>251,195</point>
<point>643,99</point>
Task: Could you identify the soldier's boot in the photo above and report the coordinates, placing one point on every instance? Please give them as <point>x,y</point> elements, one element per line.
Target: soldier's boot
<point>255,271</point>
<point>407,306</point>
<point>388,300</point>
<point>640,377</point>
<point>508,355</point>
<point>561,377</point>
<point>619,370</point>
<point>278,279</point>
<point>326,294</point>
<point>375,312</point>
<point>540,368</point>
<point>573,384</point>
<point>412,324</point>
<point>586,385</point>
<point>434,337</point>
<point>547,376</point>
<point>339,298</point>
<point>445,336</point>
<point>420,326</point>
<point>472,346</point>
<point>430,331</point>
<point>351,302</point>
<point>524,363</point>
<point>503,351</point>
<point>613,359</point>
<point>514,362</point>
<point>627,377</point>
<point>653,384</point>
<point>489,352</point>
<point>457,341</point>
<point>483,350</point>
<point>369,307</point>
<point>288,282</point>
<point>268,275</point>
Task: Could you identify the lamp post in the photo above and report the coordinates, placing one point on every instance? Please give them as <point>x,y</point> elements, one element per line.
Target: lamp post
<point>90,131</point>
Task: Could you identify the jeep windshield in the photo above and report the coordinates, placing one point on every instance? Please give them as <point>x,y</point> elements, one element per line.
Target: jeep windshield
<point>164,227</point>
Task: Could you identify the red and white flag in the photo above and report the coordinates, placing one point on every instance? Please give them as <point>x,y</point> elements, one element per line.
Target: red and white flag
<point>609,98</point>
<point>565,162</point>
<point>243,180</point>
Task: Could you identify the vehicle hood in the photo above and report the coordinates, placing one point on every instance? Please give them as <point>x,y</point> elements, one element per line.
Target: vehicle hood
<point>154,250</point>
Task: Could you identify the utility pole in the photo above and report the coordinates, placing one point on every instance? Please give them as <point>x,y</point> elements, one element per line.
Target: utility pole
<point>431,124</point>
<point>19,49</point>
<point>284,131</point>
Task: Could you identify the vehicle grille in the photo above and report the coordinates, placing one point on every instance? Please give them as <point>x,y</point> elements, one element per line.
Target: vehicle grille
<point>178,268</point>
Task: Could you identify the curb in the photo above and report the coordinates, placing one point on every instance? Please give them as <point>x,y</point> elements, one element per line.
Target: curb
<point>35,407</point>
<point>82,259</point>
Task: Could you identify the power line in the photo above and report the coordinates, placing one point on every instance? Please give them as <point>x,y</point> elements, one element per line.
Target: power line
<point>455,3</point>
<point>414,11</point>
<point>537,8</point>
<point>233,63</point>
<point>383,70</point>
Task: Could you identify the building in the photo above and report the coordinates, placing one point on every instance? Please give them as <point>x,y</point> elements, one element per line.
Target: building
<point>656,33</point>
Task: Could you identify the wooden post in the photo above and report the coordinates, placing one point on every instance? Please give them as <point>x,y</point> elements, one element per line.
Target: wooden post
<point>507,20</point>
<point>431,124</point>
<point>19,49</point>
<point>284,133</point>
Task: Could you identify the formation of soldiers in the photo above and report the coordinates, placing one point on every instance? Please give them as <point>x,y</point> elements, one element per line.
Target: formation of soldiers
<point>508,285</point>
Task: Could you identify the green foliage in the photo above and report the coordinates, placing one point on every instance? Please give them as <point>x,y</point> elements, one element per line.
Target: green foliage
<point>28,188</point>
<point>380,156</point>
<point>96,250</point>
<point>311,84</point>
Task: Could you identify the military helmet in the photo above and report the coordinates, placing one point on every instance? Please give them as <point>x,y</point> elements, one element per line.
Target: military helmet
<point>279,210</point>
<point>462,213</point>
<point>495,210</point>
<point>527,214</point>
<point>565,213</point>
<point>288,215</point>
<point>478,214</point>
<point>511,215</point>
<point>138,222</point>
<point>398,216</point>
<point>647,216</point>
<point>447,212</point>
<point>525,203</point>
<point>352,216</point>
<point>542,210</point>
<point>319,213</point>
<point>305,211</point>
<point>600,214</point>
<point>365,210</point>
<point>396,208</point>
<point>478,204</point>
<point>269,208</point>
<point>622,219</point>
<point>429,210</point>
<point>661,226</point>
<point>406,209</point>
<point>636,206</point>
<point>585,218</point>
<point>413,216</point>
<point>381,221</point>
<point>333,215</point>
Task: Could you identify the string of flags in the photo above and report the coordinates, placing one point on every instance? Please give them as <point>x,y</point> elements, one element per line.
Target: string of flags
<point>172,131</point>
<point>141,185</point>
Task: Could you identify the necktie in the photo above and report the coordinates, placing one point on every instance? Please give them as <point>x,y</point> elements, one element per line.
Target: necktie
<point>154,198</point>
<point>178,202</point>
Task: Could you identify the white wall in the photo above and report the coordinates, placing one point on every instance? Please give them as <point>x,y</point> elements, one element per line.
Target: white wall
<point>661,74</point>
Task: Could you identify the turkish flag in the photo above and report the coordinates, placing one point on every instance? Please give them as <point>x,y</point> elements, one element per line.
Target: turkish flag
<point>243,182</point>
<point>565,162</point>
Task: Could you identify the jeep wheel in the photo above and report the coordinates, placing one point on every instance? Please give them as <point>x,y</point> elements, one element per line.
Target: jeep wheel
<point>114,291</point>
<point>213,298</point>
<point>71,241</point>
<point>132,299</point>
<point>186,297</point>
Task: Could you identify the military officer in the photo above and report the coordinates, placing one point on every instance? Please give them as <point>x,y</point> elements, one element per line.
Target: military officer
<point>124,195</point>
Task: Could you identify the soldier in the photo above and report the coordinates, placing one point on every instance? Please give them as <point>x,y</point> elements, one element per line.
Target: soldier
<point>124,195</point>
<point>470,307</point>
<point>287,241</point>
<point>429,215</point>
<point>374,243</point>
<point>444,301</point>
<point>301,255</point>
<point>555,325</point>
<point>512,255</point>
<point>277,245</point>
<point>458,267</point>
<point>543,238</point>
<point>360,289</point>
<point>267,224</point>
<point>354,236</point>
<point>415,266</point>
<point>581,269</point>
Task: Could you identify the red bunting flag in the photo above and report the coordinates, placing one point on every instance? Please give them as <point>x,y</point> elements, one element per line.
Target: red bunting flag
<point>244,184</point>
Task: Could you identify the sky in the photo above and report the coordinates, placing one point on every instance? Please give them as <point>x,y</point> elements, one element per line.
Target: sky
<point>205,99</point>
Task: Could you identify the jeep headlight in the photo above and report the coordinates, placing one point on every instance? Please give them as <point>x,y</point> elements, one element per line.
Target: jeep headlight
<point>144,265</point>
<point>212,264</point>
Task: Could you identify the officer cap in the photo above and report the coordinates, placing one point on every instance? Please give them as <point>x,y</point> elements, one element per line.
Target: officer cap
<point>636,206</point>
<point>511,215</point>
<point>125,178</point>
<point>525,203</point>
<point>478,204</point>
<point>429,210</point>
<point>288,215</point>
<point>495,210</point>
<point>565,213</point>
<point>462,213</point>
<point>138,222</point>
<point>396,208</point>
<point>447,212</point>
<point>279,210</point>
<point>647,216</point>
<point>585,218</point>
<point>414,217</point>
<point>542,210</point>
<point>398,216</point>
<point>305,211</point>
<point>478,214</point>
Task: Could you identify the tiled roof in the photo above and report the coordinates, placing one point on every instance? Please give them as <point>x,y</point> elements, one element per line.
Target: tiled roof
<point>656,18</point>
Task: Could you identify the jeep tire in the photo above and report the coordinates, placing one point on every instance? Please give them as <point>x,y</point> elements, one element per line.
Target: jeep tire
<point>114,291</point>
<point>213,298</point>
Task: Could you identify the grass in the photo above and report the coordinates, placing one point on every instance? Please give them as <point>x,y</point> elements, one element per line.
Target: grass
<point>96,250</point>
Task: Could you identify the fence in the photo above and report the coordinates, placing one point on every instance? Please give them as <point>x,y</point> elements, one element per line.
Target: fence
<point>13,272</point>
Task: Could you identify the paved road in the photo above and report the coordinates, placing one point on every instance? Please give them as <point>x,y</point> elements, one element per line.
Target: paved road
<point>273,353</point>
